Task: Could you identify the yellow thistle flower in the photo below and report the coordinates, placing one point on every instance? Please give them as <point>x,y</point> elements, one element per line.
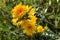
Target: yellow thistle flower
<point>14,21</point>
<point>20,10</point>
<point>32,11</point>
<point>40,28</point>
<point>28,7</point>
<point>24,23</point>
<point>28,26</point>
<point>30,29</point>
<point>33,19</point>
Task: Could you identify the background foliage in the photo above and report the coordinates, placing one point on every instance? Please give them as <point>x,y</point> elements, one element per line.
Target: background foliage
<point>48,14</point>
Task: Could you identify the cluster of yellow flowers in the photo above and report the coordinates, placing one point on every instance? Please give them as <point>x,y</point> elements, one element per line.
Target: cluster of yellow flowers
<point>29,25</point>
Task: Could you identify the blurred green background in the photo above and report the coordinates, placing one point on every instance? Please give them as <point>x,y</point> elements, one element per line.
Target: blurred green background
<point>48,13</point>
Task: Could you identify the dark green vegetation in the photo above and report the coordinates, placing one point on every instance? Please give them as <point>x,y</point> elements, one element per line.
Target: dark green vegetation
<point>48,13</point>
